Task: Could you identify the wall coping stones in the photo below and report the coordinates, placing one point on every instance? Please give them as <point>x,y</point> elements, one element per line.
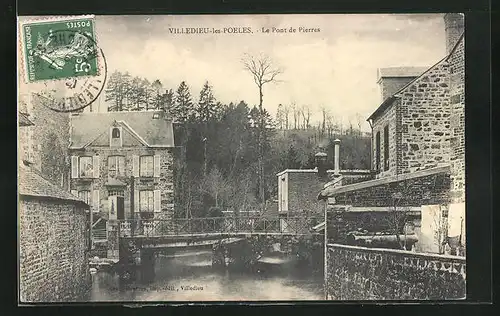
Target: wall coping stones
<point>343,171</point>
<point>351,209</point>
<point>332,191</point>
<point>430,256</point>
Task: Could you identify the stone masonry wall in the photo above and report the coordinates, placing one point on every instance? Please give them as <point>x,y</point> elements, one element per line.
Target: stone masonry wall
<point>425,121</point>
<point>49,141</point>
<point>389,86</point>
<point>358,273</point>
<point>389,117</point>
<point>303,188</point>
<point>164,183</point>
<point>457,122</point>
<point>428,189</point>
<point>55,270</point>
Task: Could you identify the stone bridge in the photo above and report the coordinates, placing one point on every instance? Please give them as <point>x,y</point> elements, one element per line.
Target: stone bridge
<point>239,242</point>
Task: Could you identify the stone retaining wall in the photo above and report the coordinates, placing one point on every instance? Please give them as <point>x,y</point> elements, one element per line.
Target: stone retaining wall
<point>53,252</point>
<point>424,187</point>
<point>358,273</point>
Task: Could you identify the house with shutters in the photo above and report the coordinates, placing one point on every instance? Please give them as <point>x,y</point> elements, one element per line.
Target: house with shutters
<point>122,165</point>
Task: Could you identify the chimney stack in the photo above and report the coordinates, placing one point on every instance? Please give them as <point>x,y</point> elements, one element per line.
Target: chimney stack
<point>336,165</point>
<point>454,27</point>
<point>321,163</point>
<point>392,79</point>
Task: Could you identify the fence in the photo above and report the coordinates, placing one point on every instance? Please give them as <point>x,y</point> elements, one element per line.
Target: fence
<point>216,225</point>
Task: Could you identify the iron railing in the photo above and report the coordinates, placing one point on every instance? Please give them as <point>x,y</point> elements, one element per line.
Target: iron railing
<point>99,234</point>
<point>216,225</point>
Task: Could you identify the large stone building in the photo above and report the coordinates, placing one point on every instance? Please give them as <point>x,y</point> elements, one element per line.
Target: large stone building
<point>53,241</point>
<point>417,200</point>
<point>53,223</point>
<point>44,144</point>
<point>418,147</point>
<point>122,165</point>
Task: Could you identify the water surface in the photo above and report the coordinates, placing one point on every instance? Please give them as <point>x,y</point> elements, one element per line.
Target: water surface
<point>189,276</point>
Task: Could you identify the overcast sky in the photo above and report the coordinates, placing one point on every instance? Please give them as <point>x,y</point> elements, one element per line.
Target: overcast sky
<point>336,67</point>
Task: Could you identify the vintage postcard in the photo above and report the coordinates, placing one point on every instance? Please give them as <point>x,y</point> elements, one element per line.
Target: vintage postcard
<point>241,158</point>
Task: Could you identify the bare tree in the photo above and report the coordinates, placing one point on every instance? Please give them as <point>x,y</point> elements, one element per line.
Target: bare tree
<point>280,119</point>
<point>286,113</point>
<point>308,112</point>
<point>263,72</point>
<point>295,111</point>
<point>215,185</point>
<point>330,124</point>
<point>324,114</point>
<point>359,120</point>
<point>302,114</point>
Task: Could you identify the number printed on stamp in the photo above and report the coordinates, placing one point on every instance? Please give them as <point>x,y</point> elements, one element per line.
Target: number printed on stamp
<point>59,49</point>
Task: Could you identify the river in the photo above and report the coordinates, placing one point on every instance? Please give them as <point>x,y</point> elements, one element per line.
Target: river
<point>189,276</point>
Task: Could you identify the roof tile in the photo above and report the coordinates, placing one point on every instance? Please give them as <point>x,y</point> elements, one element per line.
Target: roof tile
<point>32,183</point>
<point>86,127</point>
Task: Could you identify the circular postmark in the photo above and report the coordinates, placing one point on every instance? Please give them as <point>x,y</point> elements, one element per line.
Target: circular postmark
<point>75,67</point>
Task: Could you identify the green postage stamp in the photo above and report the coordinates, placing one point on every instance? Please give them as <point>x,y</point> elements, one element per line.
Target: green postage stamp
<point>59,49</point>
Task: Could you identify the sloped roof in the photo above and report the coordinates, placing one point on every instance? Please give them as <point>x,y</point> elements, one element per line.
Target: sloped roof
<point>32,183</point>
<point>387,102</point>
<point>389,72</point>
<point>24,120</point>
<point>113,182</point>
<point>156,132</point>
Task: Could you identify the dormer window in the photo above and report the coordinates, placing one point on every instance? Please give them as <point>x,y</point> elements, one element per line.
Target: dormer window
<point>116,132</point>
<point>156,116</point>
<point>116,137</point>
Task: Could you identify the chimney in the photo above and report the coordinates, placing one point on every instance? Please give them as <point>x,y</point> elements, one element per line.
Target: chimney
<point>321,163</point>
<point>393,79</point>
<point>336,162</point>
<point>454,27</point>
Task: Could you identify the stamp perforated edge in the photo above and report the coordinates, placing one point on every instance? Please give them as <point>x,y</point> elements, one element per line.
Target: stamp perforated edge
<point>42,20</point>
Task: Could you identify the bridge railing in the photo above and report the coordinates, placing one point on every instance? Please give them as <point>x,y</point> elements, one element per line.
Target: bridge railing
<point>215,225</point>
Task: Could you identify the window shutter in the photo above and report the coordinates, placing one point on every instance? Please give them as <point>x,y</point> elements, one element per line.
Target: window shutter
<point>74,167</point>
<point>136,201</point>
<point>74,192</point>
<point>156,170</point>
<point>95,167</point>
<point>157,200</point>
<point>135,165</point>
<point>96,201</point>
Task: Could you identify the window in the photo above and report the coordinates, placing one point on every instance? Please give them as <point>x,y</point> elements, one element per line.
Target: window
<point>115,133</point>
<point>116,165</point>
<point>116,193</point>
<point>85,196</point>
<point>116,137</point>
<point>377,151</point>
<point>386,147</point>
<point>146,166</point>
<point>146,199</point>
<point>86,167</point>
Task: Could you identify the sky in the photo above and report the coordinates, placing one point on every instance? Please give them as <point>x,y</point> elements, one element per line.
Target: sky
<point>335,68</point>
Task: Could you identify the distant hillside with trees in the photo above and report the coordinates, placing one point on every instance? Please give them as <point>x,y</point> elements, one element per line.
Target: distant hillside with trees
<point>217,145</point>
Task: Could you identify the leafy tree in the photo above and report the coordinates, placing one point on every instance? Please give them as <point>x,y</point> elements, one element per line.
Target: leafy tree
<point>207,106</point>
<point>166,102</point>
<point>156,88</point>
<point>116,91</point>
<point>182,108</point>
